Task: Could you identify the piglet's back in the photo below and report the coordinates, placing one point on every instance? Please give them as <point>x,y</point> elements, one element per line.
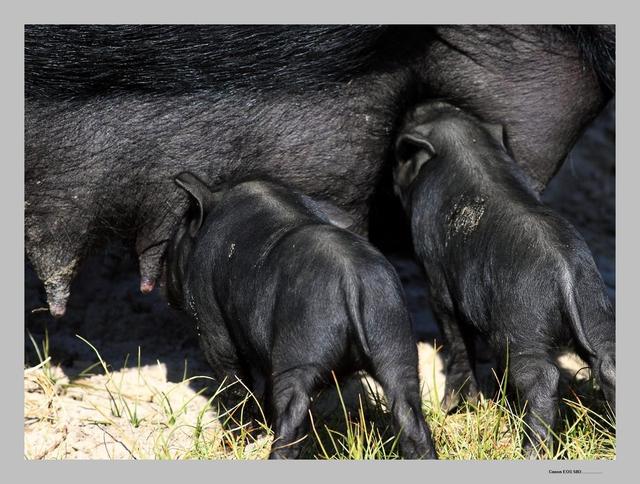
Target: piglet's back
<point>329,279</point>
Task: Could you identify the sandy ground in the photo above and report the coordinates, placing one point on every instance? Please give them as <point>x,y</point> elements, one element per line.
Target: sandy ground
<point>145,405</point>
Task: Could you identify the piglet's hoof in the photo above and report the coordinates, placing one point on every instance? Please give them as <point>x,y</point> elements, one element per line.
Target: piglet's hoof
<point>453,398</point>
<point>530,452</point>
<point>450,401</point>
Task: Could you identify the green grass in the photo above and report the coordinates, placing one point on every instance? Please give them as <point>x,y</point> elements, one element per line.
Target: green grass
<point>42,353</point>
<point>490,430</point>
<point>357,429</point>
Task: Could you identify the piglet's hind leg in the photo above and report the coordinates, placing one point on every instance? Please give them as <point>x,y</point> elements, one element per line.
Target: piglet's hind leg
<point>401,389</point>
<point>290,403</point>
<point>536,378</point>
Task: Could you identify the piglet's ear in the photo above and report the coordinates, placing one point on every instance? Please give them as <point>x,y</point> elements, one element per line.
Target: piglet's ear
<point>200,193</point>
<point>412,152</point>
<point>409,144</point>
<point>497,132</point>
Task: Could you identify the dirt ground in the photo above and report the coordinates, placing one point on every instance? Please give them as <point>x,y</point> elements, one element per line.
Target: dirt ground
<point>149,402</point>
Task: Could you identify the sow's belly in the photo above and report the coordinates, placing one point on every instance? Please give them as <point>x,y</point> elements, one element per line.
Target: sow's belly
<point>104,166</point>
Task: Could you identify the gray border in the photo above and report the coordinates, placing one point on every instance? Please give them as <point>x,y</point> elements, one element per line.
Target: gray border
<point>538,11</point>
